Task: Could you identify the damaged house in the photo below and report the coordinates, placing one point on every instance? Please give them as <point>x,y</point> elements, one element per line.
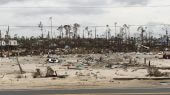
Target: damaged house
<point>7,47</point>
<point>11,43</point>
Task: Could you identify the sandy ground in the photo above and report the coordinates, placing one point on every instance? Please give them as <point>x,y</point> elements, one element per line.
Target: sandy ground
<point>96,75</point>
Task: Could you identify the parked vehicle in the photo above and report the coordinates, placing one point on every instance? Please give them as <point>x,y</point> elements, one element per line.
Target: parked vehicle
<point>52,60</point>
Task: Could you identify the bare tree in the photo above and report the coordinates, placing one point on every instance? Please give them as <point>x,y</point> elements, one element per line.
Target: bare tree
<point>75,29</point>
<point>108,30</point>
<point>7,38</point>
<point>142,30</point>
<point>87,29</point>
<point>166,35</point>
<point>48,35</point>
<point>126,28</point>
<point>60,29</point>
<point>67,29</point>
<point>89,32</point>
<point>122,33</point>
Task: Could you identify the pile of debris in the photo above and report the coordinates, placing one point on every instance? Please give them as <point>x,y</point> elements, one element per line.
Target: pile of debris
<point>154,72</point>
<point>49,73</point>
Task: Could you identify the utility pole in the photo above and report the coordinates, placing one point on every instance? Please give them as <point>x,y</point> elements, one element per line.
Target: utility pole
<point>1,43</point>
<point>95,32</point>
<point>167,38</point>
<point>41,28</point>
<point>129,32</point>
<point>115,28</point>
<point>51,19</point>
<point>106,32</point>
<point>7,37</point>
<point>150,39</point>
<point>83,33</point>
<point>142,35</point>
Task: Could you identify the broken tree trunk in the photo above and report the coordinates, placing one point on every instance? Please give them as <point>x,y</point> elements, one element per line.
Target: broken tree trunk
<point>50,72</point>
<point>37,74</point>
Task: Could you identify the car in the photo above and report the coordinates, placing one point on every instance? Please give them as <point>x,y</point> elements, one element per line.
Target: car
<point>52,60</point>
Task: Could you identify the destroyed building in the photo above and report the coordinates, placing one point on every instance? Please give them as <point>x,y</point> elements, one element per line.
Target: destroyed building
<point>12,43</point>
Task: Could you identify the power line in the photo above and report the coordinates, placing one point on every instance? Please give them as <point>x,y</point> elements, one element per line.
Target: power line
<point>28,26</point>
<point>82,7</point>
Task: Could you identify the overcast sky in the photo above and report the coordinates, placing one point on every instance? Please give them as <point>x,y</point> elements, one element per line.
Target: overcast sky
<point>66,14</point>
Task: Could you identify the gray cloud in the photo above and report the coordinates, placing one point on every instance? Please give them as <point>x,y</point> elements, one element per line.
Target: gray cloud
<point>75,3</point>
<point>87,2</point>
<point>133,2</point>
<point>84,2</point>
<point>9,1</point>
<point>69,3</point>
<point>104,2</point>
<point>59,11</point>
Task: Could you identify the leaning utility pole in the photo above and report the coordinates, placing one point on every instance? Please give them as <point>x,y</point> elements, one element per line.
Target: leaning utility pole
<point>20,68</point>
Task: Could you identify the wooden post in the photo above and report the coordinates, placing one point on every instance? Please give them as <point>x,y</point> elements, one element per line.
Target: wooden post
<point>130,61</point>
<point>144,60</point>
<point>149,63</point>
